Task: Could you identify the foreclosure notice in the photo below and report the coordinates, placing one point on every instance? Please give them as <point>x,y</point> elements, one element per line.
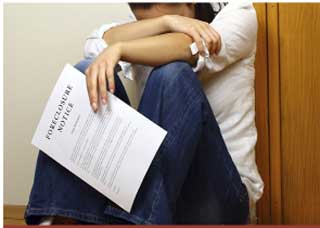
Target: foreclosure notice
<point>111,150</point>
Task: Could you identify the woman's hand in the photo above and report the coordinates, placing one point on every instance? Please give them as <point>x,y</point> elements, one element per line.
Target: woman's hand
<point>197,29</point>
<point>100,73</point>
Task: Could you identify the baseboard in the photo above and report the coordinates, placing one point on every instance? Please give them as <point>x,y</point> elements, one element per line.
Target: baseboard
<point>13,211</point>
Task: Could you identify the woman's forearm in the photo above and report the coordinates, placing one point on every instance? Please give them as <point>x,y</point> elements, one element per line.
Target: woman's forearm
<point>136,30</point>
<point>158,50</point>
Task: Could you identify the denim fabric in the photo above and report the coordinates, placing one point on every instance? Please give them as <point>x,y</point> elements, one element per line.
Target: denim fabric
<point>192,179</point>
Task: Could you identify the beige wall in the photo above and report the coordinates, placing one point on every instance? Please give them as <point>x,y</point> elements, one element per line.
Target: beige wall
<point>38,40</point>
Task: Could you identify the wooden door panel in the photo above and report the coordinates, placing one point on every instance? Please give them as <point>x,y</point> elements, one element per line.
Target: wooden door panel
<point>299,35</point>
<point>261,93</point>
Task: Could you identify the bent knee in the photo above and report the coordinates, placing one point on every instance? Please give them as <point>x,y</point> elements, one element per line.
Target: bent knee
<point>172,73</point>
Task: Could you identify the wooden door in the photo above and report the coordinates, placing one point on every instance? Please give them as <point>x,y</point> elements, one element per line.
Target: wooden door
<point>288,112</point>
<point>299,55</point>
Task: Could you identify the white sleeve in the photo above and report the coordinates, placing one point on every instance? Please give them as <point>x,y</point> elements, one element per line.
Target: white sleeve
<point>237,25</point>
<point>95,44</point>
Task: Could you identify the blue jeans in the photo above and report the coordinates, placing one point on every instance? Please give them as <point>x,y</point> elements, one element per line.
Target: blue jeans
<point>192,179</point>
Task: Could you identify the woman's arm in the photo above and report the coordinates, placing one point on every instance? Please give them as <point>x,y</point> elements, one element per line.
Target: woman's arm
<point>196,29</point>
<point>154,51</point>
<point>136,30</point>
<point>158,50</point>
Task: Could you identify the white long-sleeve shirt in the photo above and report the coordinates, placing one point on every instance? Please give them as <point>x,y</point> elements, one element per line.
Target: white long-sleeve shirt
<point>228,82</point>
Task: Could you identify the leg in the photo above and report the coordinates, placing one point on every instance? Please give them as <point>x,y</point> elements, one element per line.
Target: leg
<point>213,186</point>
<point>57,192</point>
<point>192,178</point>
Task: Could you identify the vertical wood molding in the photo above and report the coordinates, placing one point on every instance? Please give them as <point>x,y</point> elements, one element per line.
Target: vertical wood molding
<point>262,113</point>
<point>274,112</point>
<point>299,26</point>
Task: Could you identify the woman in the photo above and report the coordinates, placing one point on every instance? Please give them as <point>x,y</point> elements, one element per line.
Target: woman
<point>204,171</point>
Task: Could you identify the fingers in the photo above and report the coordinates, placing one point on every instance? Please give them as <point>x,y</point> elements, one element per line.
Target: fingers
<point>98,75</point>
<point>204,31</point>
<point>218,37</point>
<point>213,44</point>
<point>197,39</point>
<point>209,39</point>
<point>92,88</point>
<point>215,40</point>
<point>102,84</point>
<point>110,77</point>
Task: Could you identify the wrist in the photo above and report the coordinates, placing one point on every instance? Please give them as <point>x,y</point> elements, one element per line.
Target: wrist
<point>119,47</point>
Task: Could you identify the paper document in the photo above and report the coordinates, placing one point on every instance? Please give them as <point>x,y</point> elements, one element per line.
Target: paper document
<point>111,150</point>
